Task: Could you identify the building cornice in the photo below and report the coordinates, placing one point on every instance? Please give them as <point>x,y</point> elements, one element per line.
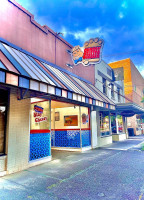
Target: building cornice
<point>43,28</point>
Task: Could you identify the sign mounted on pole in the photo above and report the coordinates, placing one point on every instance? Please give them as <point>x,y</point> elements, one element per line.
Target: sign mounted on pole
<point>91,53</point>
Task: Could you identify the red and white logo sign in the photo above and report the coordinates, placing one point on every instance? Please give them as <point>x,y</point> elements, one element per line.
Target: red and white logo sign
<point>90,55</point>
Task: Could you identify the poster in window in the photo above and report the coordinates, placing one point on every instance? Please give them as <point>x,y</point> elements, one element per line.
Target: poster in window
<point>71,120</point>
<point>57,116</point>
<point>40,115</point>
<point>85,118</point>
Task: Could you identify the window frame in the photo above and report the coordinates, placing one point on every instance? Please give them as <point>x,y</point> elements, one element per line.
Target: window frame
<point>118,94</point>
<point>104,86</point>
<point>112,91</point>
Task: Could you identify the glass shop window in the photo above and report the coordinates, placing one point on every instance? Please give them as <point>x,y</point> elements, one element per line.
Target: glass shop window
<point>113,124</point>
<point>2,128</point>
<point>104,86</point>
<point>112,91</point>
<point>118,93</point>
<point>104,124</point>
<point>120,124</point>
<point>40,115</point>
<point>84,117</point>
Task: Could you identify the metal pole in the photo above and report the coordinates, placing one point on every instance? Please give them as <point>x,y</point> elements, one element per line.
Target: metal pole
<point>80,127</point>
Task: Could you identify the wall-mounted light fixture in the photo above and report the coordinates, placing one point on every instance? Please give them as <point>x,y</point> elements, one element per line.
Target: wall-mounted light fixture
<point>59,33</point>
<point>109,84</point>
<point>69,65</point>
<point>68,51</point>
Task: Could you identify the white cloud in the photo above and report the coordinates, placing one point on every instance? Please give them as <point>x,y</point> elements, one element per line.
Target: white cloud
<point>88,33</point>
<point>64,31</point>
<point>124,5</point>
<point>121,15</point>
<point>28,5</point>
<point>123,10</point>
<point>142,72</point>
<point>141,69</point>
<point>82,4</point>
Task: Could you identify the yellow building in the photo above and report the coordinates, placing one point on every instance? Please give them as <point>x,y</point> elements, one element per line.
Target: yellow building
<point>133,88</point>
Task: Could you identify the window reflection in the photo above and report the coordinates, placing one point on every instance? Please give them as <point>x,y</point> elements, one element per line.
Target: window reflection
<point>104,124</point>
<point>120,123</point>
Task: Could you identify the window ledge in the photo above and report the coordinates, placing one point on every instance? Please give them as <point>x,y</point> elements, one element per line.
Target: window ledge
<point>2,156</point>
<point>105,136</point>
<point>118,133</point>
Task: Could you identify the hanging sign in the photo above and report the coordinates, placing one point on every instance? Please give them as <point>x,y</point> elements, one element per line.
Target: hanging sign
<point>91,53</point>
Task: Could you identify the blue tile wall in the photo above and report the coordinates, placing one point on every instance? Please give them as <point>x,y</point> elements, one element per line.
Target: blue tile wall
<point>86,138</point>
<point>52,138</point>
<point>67,138</point>
<point>40,145</point>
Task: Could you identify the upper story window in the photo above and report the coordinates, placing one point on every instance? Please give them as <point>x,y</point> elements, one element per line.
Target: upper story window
<point>142,93</point>
<point>135,88</point>
<point>109,72</point>
<point>118,93</point>
<point>112,91</point>
<point>104,86</point>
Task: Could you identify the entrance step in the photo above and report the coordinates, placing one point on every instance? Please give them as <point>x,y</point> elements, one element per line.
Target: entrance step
<point>2,173</point>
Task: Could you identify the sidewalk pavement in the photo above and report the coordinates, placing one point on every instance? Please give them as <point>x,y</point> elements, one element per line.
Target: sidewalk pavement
<point>132,143</point>
<point>99,174</point>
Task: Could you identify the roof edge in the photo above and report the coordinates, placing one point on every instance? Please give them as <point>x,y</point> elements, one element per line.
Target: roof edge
<point>43,28</point>
<point>119,60</point>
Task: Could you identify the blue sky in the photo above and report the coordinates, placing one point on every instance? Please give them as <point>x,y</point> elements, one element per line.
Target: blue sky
<point>119,23</point>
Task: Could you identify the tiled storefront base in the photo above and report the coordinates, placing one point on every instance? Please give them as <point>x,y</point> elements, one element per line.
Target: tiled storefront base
<point>66,138</point>
<point>40,161</point>
<point>70,139</point>
<point>39,145</point>
<point>72,149</point>
<point>119,137</point>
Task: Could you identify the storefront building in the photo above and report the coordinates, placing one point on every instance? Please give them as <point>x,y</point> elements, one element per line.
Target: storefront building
<point>44,107</point>
<point>133,90</point>
<point>114,122</point>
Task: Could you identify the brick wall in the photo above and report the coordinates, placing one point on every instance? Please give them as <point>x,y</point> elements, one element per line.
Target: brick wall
<point>17,134</point>
<point>138,85</point>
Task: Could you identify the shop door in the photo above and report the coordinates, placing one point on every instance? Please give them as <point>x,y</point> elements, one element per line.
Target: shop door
<point>2,128</point>
<point>3,111</point>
